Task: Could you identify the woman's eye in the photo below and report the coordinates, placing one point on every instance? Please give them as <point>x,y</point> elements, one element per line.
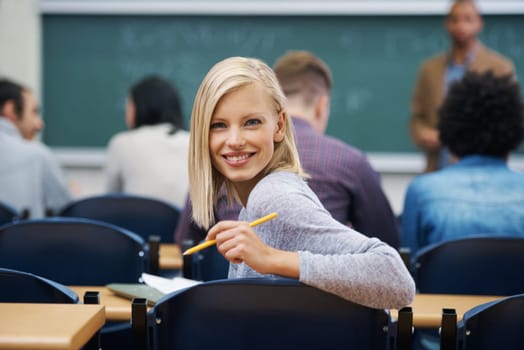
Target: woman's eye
<point>253,122</point>
<point>217,125</point>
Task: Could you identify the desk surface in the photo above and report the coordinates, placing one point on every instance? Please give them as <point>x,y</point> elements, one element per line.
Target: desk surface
<point>48,326</point>
<point>170,257</point>
<point>117,308</point>
<point>427,308</point>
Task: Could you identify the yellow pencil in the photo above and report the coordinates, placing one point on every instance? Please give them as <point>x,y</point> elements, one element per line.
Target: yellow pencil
<point>210,242</point>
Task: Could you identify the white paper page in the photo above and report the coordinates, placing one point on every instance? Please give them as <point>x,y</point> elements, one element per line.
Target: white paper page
<point>167,285</point>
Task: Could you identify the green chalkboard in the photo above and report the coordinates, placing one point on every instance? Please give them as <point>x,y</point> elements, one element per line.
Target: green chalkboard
<point>89,62</point>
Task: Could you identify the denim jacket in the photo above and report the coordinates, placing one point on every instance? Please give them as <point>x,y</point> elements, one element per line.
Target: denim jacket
<point>477,195</point>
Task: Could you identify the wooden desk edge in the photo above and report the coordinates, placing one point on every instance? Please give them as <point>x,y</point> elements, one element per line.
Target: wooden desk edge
<point>424,307</point>
<point>116,308</point>
<point>98,321</point>
<point>21,339</point>
<point>170,257</point>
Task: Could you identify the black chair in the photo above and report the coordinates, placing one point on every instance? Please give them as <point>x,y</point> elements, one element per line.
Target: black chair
<point>24,287</point>
<point>76,251</point>
<point>259,313</point>
<point>8,214</point>
<point>209,265</point>
<point>475,265</point>
<point>141,215</point>
<point>481,265</point>
<point>494,325</point>
<point>73,251</point>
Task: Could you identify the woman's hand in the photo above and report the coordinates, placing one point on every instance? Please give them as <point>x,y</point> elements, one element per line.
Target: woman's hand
<point>238,242</point>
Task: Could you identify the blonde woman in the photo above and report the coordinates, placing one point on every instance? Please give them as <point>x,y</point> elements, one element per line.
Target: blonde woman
<point>241,137</point>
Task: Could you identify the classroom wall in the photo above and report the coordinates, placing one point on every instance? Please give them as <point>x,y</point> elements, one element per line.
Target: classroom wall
<point>20,54</point>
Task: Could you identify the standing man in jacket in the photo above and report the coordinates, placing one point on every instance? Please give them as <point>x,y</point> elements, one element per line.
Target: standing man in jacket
<point>466,53</point>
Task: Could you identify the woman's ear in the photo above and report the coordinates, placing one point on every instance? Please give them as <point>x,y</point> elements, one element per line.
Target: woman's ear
<point>280,129</point>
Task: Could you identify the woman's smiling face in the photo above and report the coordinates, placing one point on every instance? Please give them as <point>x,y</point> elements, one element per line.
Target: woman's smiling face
<point>242,133</point>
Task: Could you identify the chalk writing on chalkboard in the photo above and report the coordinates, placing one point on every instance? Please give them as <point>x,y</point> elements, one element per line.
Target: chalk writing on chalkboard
<point>89,62</point>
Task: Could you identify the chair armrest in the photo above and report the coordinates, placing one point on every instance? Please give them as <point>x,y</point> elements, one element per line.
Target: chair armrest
<point>405,254</point>
<point>139,326</point>
<point>405,328</point>
<point>448,330</point>
<point>187,260</point>
<point>92,297</point>
<point>154,254</point>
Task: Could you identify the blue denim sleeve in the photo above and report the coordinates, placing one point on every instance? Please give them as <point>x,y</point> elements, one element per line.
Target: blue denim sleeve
<point>410,219</point>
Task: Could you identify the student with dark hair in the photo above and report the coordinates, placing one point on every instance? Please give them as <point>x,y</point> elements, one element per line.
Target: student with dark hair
<point>150,158</point>
<point>30,177</point>
<point>481,122</point>
<point>153,101</point>
<point>466,53</point>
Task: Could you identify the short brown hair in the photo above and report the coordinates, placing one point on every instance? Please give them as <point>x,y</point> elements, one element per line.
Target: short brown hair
<point>302,73</point>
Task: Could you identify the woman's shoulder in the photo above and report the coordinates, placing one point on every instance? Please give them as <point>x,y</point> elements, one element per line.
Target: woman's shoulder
<point>283,187</point>
<point>280,180</point>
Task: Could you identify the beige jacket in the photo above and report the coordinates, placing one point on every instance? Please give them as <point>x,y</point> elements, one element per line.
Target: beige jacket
<point>429,92</point>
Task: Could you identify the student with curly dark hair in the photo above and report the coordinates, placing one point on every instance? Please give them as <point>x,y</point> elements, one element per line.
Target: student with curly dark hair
<point>483,116</point>
<point>481,122</point>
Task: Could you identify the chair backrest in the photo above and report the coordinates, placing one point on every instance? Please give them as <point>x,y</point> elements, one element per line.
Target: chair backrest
<point>141,215</point>
<point>495,325</point>
<point>73,251</point>
<point>480,265</point>
<point>263,313</point>
<point>209,265</point>
<point>7,214</point>
<point>23,287</point>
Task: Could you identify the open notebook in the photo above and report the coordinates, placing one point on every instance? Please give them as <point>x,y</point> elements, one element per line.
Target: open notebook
<point>136,290</point>
<point>155,287</point>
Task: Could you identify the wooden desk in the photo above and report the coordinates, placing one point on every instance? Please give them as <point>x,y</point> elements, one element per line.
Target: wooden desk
<point>119,308</point>
<point>48,326</point>
<point>116,308</point>
<point>427,308</point>
<point>170,257</point>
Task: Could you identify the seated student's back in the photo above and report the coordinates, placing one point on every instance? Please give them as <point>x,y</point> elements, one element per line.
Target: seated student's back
<point>482,121</point>
<point>150,158</point>
<point>30,177</point>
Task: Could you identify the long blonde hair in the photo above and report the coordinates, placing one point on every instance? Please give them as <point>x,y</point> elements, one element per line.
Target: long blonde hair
<point>224,77</point>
